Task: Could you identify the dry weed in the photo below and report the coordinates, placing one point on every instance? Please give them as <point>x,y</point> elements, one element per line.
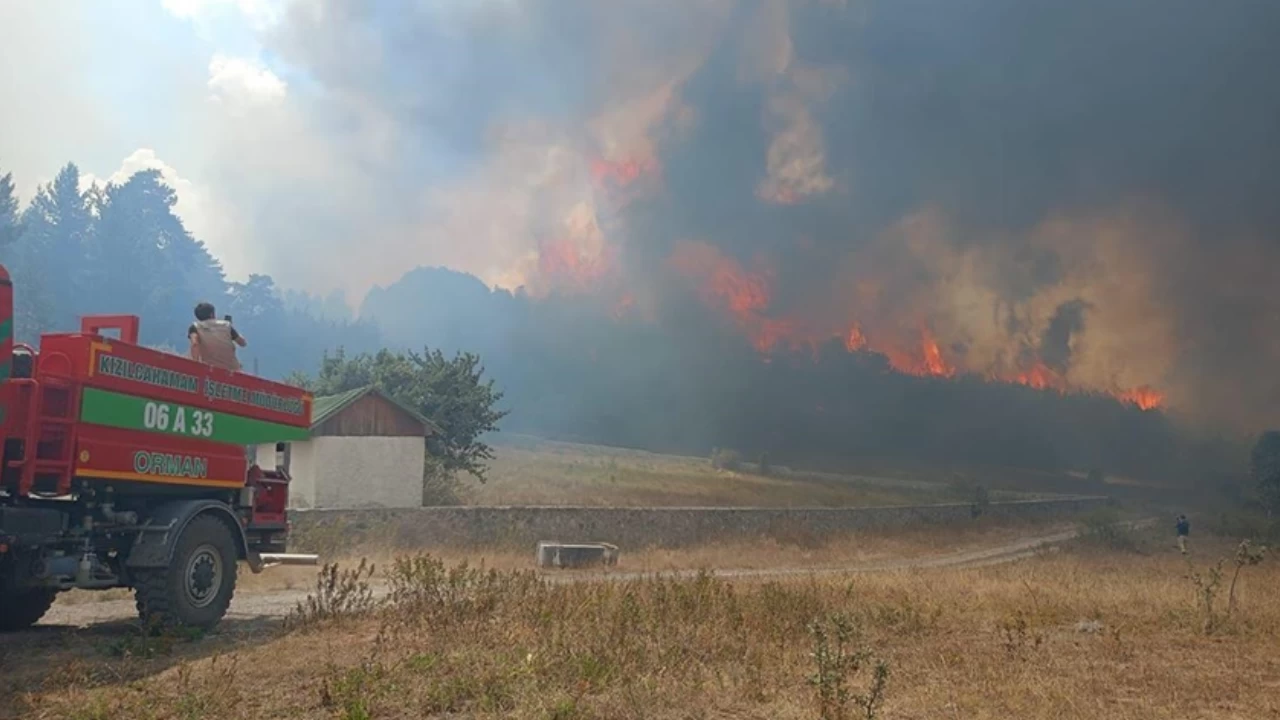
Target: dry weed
<point>1083,633</point>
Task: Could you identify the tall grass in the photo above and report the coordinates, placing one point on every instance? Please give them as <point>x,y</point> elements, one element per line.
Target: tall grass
<point>475,640</point>
<point>1087,632</point>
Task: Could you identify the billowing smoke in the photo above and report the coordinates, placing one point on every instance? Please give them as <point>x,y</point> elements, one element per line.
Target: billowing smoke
<point>1055,345</point>
<point>1072,195</point>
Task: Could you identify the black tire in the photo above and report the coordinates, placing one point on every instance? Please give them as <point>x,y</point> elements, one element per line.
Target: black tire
<point>195,589</point>
<point>21,609</point>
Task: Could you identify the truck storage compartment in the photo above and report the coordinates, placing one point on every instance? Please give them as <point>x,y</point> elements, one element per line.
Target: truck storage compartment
<point>30,525</point>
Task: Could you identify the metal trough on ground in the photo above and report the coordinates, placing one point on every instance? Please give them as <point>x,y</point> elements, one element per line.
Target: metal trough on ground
<point>576,555</point>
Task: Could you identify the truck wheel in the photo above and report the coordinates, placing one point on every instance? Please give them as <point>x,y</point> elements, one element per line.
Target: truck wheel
<point>196,588</point>
<point>23,608</point>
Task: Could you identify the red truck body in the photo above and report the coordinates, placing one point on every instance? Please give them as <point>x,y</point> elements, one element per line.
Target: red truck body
<point>116,455</point>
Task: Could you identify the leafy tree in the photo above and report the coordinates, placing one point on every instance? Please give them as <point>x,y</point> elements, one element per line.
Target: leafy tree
<point>450,392</point>
<point>1264,467</point>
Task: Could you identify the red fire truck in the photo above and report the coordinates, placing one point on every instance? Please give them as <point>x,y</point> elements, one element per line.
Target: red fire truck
<point>129,467</point>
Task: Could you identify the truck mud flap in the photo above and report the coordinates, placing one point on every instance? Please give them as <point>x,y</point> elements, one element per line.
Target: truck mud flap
<point>154,544</point>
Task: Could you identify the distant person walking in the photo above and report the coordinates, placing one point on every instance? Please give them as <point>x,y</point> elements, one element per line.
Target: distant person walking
<point>1184,529</point>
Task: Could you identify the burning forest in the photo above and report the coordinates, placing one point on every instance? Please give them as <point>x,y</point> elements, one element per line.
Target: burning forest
<point>860,310</point>
<point>934,193</point>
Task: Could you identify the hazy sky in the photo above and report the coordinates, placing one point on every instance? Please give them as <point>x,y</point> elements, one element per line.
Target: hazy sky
<point>118,86</point>
<point>980,165</point>
<point>256,111</point>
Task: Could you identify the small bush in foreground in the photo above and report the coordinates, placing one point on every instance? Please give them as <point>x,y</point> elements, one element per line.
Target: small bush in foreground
<point>836,661</point>
<point>1209,583</point>
<point>339,594</point>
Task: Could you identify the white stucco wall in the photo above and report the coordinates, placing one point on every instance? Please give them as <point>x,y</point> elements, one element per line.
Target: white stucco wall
<point>353,472</point>
<point>302,484</point>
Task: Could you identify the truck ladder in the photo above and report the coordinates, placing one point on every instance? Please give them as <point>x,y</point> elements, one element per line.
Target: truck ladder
<point>48,445</point>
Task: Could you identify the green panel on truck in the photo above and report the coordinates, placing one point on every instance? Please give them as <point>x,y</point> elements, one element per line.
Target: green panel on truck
<point>103,407</point>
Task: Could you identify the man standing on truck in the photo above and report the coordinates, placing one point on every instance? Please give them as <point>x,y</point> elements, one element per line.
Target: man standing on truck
<point>214,341</point>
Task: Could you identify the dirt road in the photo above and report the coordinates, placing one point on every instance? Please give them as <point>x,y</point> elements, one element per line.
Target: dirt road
<point>250,605</point>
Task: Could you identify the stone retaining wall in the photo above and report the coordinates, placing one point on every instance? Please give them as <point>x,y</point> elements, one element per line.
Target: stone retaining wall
<point>326,531</point>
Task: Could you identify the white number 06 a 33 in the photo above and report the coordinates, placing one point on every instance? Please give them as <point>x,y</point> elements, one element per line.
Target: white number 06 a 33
<point>166,418</point>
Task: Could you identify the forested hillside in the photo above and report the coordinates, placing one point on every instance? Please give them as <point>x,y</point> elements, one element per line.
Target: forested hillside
<point>682,382</point>
<point>570,368</point>
<point>76,250</point>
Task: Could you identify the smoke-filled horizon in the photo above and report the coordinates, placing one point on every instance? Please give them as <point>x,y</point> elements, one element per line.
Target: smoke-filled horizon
<point>1073,196</point>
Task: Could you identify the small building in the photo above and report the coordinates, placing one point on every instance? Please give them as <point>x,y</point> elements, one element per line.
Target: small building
<point>365,450</point>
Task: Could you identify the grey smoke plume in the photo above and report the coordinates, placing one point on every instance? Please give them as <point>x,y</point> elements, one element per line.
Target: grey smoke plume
<point>984,169</point>
<point>1055,346</point>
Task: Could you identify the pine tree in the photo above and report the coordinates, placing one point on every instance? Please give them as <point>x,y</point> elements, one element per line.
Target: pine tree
<point>10,228</point>
<point>145,262</point>
<point>59,226</point>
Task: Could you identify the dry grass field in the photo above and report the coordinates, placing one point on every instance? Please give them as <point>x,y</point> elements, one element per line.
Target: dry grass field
<point>1108,626</point>
<point>529,471</point>
<point>858,549</point>
<point>1104,628</point>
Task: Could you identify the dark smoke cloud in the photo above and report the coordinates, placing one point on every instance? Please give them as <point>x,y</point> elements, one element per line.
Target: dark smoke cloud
<point>997,166</point>
<point>1055,347</point>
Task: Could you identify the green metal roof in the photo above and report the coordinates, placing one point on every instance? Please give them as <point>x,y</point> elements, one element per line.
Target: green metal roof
<point>326,406</point>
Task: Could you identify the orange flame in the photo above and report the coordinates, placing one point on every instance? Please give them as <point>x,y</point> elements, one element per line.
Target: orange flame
<point>1145,397</point>
<point>923,360</point>
<point>724,283</point>
<point>745,296</point>
<point>1040,377</point>
<point>582,258</point>
<point>855,340</point>
<point>933,360</point>
<point>564,264</point>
